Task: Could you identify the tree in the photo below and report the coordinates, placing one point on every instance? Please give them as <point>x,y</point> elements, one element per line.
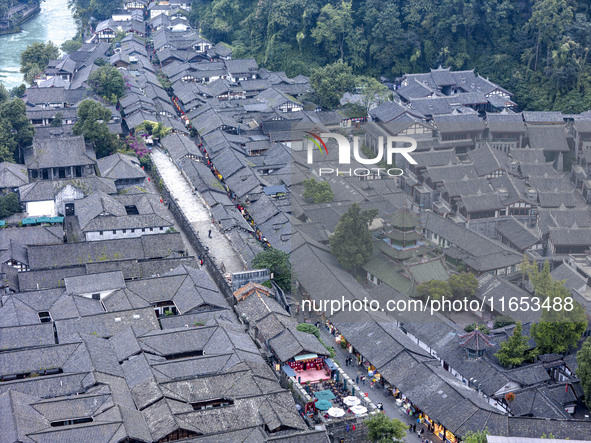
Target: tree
<point>584,369</point>
<point>383,429</point>
<point>35,58</point>
<point>372,90</point>
<point>4,94</point>
<point>463,285</point>
<point>57,120</point>
<point>512,352</point>
<point>92,124</point>
<point>541,280</point>
<point>503,320</point>
<point>436,289</point>
<point>548,21</point>
<point>17,130</point>
<point>482,328</point>
<point>333,26</point>
<point>108,83</point>
<point>70,46</point>
<point>157,130</point>
<point>562,322</point>
<point>11,204</point>
<point>18,91</point>
<point>352,242</point>
<point>309,329</point>
<point>278,263</point>
<point>331,82</point>
<point>475,437</point>
<point>317,192</point>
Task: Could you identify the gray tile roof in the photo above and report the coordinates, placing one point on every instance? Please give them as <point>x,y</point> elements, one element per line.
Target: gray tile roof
<point>12,175</point>
<point>120,166</point>
<point>71,254</point>
<point>59,152</point>
<point>94,282</point>
<point>518,234</point>
<point>477,251</point>
<point>291,343</point>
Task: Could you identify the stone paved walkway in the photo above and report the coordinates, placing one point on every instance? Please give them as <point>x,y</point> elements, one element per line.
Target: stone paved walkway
<point>197,212</point>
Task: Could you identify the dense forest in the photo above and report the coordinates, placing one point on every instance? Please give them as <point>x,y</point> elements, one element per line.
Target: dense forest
<point>537,49</point>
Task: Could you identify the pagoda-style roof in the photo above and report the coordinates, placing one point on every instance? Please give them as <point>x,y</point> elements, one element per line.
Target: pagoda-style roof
<point>404,219</point>
<point>407,236</point>
<point>475,341</point>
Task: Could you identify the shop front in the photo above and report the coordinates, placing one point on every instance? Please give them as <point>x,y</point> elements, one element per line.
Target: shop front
<point>309,368</point>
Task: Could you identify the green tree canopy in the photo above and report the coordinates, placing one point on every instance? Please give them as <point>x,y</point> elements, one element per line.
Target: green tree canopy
<point>309,329</point>
<point>57,121</point>
<point>383,429</point>
<point>92,124</point>
<point>155,129</point>
<point>513,351</point>
<point>352,242</point>
<point>317,192</point>
<point>463,285</point>
<point>278,262</point>
<point>331,82</point>
<point>9,205</point>
<point>4,94</point>
<point>35,58</point>
<point>482,328</point>
<point>108,83</point>
<point>70,46</point>
<point>562,324</point>
<point>436,289</point>
<point>372,91</point>
<point>15,128</point>
<point>584,370</point>
<point>475,437</point>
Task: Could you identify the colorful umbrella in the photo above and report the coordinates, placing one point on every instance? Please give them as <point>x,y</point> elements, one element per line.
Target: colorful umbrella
<point>323,405</point>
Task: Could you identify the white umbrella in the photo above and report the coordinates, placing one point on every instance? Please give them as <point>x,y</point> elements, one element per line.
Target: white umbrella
<point>351,400</point>
<point>358,410</point>
<point>336,412</point>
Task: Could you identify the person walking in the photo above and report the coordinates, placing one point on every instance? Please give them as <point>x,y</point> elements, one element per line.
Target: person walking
<point>371,385</point>
<point>209,233</point>
<point>363,379</point>
<point>357,380</point>
<point>414,428</point>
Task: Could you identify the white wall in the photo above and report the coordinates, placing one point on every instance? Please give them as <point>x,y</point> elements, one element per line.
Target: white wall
<point>109,235</point>
<point>40,208</point>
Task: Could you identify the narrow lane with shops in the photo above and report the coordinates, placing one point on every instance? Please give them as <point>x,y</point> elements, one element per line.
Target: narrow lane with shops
<point>378,394</point>
<point>197,212</point>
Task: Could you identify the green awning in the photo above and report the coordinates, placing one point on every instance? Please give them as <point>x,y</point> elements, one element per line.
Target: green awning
<point>324,395</point>
<point>2,223</point>
<point>29,221</point>
<point>323,405</point>
<point>43,220</point>
<point>56,220</point>
<point>305,357</point>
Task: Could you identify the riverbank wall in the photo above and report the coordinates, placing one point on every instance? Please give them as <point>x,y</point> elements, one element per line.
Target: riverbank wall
<point>13,26</point>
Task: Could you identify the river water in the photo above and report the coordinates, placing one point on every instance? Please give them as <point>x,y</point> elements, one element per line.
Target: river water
<point>54,23</point>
